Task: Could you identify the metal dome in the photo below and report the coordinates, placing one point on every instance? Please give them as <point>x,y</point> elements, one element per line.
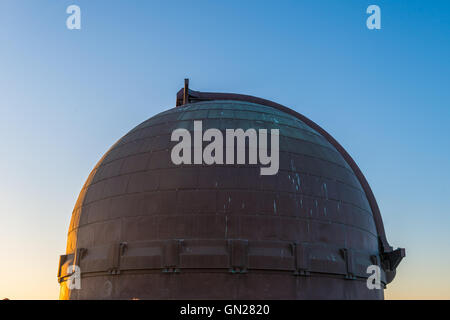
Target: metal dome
<point>145,228</point>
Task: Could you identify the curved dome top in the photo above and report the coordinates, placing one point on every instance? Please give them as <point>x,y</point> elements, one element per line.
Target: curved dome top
<point>140,163</point>
<point>139,211</point>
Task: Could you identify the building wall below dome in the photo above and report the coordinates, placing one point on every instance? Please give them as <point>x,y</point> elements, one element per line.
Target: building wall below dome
<point>203,286</point>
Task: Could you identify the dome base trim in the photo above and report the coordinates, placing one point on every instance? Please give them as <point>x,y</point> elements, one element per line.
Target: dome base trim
<point>234,256</point>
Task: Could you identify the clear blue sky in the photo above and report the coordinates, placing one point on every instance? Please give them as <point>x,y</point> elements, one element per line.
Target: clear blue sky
<point>67,96</point>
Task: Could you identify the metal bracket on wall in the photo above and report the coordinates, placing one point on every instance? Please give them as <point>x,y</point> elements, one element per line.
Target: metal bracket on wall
<point>118,250</point>
<point>301,253</point>
<point>238,256</point>
<point>79,254</point>
<point>62,260</point>
<point>392,259</point>
<point>76,256</point>
<point>171,256</point>
<point>350,263</point>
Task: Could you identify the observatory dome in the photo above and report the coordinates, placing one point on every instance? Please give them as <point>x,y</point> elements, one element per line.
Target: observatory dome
<point>146,228</point>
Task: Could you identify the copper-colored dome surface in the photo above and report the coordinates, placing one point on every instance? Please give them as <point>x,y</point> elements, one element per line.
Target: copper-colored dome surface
<point>146,228</point>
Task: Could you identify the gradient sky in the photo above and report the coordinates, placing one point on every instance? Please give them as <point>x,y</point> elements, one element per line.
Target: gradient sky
<point>67,96</point>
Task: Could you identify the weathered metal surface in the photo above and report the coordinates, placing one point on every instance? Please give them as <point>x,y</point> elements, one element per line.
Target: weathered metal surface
<point>145,228</point>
